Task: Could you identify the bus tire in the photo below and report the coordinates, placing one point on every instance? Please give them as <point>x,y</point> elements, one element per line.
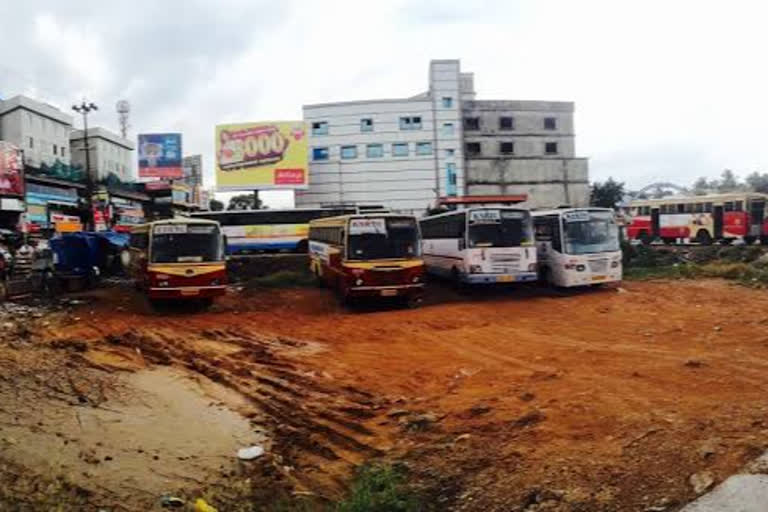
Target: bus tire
<point>703,237</point>
<point>458,285</point>
<point>302,247</point>
<point>644,237</point>
<point>749,240</point>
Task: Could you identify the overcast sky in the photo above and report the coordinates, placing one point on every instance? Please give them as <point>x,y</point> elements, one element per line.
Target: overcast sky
<point>666,90</point>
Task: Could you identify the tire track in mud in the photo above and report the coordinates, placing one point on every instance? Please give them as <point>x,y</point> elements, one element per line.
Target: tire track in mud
<point>322,429</point>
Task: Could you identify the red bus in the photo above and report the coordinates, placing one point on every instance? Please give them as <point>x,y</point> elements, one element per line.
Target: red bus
<point>702,219</point>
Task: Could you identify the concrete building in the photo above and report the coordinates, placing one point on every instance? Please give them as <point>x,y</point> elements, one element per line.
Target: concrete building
<point>409,154</point>
<point>193,178</point>
<point>524,147</point>
<point>40,130</point>
<point>110,153</point>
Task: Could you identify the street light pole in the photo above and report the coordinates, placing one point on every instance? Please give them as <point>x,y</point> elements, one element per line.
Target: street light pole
<point>85,109</point>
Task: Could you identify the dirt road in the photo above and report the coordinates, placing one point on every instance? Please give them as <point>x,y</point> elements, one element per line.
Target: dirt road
<point>505,400</point>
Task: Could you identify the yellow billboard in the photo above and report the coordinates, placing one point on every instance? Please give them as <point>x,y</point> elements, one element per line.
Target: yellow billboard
<point>262,156</point>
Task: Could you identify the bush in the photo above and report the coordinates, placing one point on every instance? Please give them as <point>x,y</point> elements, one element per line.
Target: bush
<point>282,279</point>
<point>379,489</point>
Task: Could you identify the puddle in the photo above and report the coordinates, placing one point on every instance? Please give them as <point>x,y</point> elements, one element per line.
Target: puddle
<point>167,431</point>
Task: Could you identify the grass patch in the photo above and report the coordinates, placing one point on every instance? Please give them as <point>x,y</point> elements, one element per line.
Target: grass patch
<point>379,489</point>
<point>283,279</point>
<point>744,273</point>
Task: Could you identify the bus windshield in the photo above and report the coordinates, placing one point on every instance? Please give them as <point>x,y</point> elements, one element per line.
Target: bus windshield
<point>373,238</point>
<point>186,243</point>
<point>499,228</point>
<point>590,232</point>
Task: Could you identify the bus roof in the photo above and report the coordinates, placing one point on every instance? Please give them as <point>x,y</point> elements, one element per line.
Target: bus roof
<point>709,198</point>
<point>464,210</point>
<point>177,220</point>
<point>560,211</point>
<point>267,211</point>
<point>341,219</point>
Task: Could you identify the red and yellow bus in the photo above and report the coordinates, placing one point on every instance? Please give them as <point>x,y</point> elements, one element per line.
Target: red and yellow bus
<point>179,259</point>
<point>368,255</point>
<point>702,219</point>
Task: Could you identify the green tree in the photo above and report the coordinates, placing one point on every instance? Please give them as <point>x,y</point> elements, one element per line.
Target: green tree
<point>728,182</point>
<point>215,205</point>
<point>244,202</point>
<point>702,187</point>
<point>758,182</point>
<point>606,194</point>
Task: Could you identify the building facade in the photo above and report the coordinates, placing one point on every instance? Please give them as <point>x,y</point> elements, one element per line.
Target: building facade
<point>409,154</point>
<point>40,130</point>
<point>109,152</point>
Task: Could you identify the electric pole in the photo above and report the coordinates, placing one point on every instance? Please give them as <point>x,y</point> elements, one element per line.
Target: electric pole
<point>85,109</point>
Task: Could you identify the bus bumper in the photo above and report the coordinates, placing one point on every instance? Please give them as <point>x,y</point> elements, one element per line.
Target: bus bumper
<point>404,290</point>
<point>499,278</point>
<point>187,292</point>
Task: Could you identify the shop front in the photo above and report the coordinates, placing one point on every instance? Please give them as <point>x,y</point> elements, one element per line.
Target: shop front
<point>52,206</point>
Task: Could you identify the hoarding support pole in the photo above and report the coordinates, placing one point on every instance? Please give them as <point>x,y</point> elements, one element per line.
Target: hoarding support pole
<point>256,201</point>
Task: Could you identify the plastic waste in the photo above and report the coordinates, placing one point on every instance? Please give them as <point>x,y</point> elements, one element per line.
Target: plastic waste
<point>202,506</point>
<point>251,452</point>
<point>171,502</point>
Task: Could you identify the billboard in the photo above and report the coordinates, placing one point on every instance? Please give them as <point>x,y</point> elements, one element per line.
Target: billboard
<point>160,155</point>
<point>11,170</point>
<point>262,156</point>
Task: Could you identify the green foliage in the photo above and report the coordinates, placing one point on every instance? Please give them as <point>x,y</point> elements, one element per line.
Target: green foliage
<point>728,182</point>
<point>606,194</point>
<point>244,202</point>
<point>215,205</point>
<point>758,182</point>
<point>379,489</point>
<point>283,279</point>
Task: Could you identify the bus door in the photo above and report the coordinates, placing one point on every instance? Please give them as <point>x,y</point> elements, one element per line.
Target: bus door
<point>655,224</point>
<point>756,216</point>
<point>718,219</point>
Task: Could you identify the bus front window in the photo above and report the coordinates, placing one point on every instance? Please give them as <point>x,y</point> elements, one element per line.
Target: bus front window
<point>382,238</point>
<point>499,228</point>
<point>590,232</point>
<point>182,243</point>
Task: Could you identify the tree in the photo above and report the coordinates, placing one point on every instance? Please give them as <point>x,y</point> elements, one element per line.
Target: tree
<point>244,202</point>
<point>215,205</point>
<point>758,182</point>
<point>607,194</point>
<point>702,187</point>
<point>728,182</point>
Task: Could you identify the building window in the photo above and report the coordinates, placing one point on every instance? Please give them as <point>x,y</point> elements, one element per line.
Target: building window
<point>506,123</point>
<point>55,149</point>
<point>550,148</point>
<point>447,102</point>
<point>400,149</point>
<point>423,148</point>
<point>320,128</point>
<point>472,148</point>
<point>374,151</point>
<point>471,123</point>
<point>447,128</point>
<point>366,125</point>
<point>348,152</point>
<point>319,154</point>
<point>31,142</point>
<point>63,151</point>
<point>449,153</point>
<point>410,123</point>
<point>507,148</point>
<point>550,123</point>
<point>450,171</point>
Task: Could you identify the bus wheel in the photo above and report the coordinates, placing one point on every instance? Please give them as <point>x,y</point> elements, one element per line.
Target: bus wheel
<point>749,240</point>
<point>458,285</point>
<point>703,237</point>
<point>644,237</point>
<point>205,303</point>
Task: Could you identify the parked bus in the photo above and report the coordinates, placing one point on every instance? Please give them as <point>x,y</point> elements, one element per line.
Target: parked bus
<point>368,255</point>
<point>272,230</point>
<point>178,259</point>
<point>702,219</point>
<point>480,245</point>
<point>578,246</point>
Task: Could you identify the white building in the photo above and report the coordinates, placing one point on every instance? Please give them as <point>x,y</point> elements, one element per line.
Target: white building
<point>40,130</point>
<point>409,154</point>
<point>110,153</point>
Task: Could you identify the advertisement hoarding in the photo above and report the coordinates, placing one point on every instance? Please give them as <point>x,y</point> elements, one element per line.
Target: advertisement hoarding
<point>160,155</point>
<point>11,170</point>
<point>262,156</point>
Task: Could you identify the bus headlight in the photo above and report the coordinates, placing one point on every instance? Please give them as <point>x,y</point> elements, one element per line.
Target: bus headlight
<point>416,279</point>
<point>359,282</point>
<point>475,269</point>
<point>580,268</point>
<point>614,264</point>
<point>163,283</point>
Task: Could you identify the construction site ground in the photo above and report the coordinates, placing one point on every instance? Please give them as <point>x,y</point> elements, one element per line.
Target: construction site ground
<point>496,400</point>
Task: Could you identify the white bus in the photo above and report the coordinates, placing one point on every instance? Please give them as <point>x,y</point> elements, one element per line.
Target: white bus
<point>480,245</point>
<point>578,246</point>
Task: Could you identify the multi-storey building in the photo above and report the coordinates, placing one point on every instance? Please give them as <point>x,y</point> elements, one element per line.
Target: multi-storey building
<point>40,130</point>
<point>410,154</point>
<point>109,154</point>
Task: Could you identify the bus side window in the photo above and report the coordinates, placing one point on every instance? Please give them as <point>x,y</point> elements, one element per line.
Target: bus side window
<point>738,206</point>
<point>554,221</point>
<point>728,206</point>
<point>139,240</point>
<point>698,208</point>
<point>688,207</point>
<point>707,207</point>
<point>543,229</point>
<point>680,208</point>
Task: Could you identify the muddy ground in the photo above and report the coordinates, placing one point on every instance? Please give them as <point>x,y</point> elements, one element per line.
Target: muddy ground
<point>512,399</point>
